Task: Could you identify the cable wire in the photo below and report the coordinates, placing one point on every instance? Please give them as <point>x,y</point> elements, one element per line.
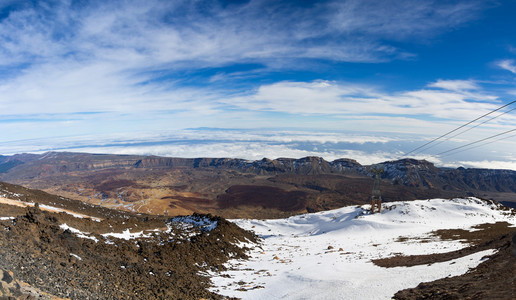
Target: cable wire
<point>472,143</point>
<point>458,128</point>
<point>483,144</point>
<point>468,129</point>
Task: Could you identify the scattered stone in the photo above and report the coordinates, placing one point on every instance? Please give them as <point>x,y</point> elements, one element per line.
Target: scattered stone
<point>45,256</point>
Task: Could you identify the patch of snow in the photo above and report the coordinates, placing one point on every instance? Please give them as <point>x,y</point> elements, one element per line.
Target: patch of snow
<point>20,203</point>
<point>327,255</point>
<point>55,209</point>
<point>126,235</point>
<point>76,256</point>
<point>78,233</point>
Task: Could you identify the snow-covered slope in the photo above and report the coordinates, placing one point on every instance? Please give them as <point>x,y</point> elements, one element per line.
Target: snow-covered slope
<point>328,255</point>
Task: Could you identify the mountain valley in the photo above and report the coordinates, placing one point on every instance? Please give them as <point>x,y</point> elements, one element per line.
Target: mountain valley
<point>236,188</point>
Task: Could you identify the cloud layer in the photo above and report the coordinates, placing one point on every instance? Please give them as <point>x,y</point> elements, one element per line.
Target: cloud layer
<point>107,70</point>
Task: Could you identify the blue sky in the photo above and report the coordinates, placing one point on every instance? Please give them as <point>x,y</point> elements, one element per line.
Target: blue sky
<point>369,80</point>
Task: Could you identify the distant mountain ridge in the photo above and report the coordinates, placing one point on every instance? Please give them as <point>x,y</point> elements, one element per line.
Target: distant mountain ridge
<point>408,172</point>
<point>239,188</point>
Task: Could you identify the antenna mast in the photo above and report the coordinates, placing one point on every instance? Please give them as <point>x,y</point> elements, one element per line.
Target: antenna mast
<point>376,196</point>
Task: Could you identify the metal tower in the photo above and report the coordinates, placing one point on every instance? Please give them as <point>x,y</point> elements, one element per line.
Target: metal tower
<point>376,196</point>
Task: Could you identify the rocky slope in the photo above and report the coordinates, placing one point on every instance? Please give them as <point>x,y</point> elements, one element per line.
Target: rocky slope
<point>11,288</point>
<point>121,256</point>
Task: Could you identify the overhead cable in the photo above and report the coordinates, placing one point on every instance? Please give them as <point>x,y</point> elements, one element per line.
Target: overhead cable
<point>476,142</point>
<point>480,145</point>
<point>468,129</point>
<point>458,128</point>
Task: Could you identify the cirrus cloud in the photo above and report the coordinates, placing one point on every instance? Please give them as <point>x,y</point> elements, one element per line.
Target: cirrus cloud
<point>508,64</point>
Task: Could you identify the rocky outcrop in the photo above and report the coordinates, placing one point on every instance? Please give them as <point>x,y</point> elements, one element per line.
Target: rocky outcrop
<point>304,166</point>
<point>410,172</point>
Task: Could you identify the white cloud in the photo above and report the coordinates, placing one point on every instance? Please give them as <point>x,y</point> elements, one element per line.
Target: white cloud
<point>120,106</point>
<point>455,85</point>
<point>317,97</point>
<point>256,144</point>
<point>191,137</point>
<point>185,34</point>
<point>325,97</point>
<point>106,56</point>
<point>401,19</point>
<point>508,65</point>
<point>244,150</point>
<point>70,87</point>
<point>486,164</point>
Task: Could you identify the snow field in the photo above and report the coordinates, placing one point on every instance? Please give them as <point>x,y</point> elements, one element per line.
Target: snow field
<point>327,255</point>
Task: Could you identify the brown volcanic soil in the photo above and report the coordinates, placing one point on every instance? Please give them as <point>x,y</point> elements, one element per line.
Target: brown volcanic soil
<point>11,288</point>
<point>164,266</point>
<point>263,196</point>
<point>493,279</point>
